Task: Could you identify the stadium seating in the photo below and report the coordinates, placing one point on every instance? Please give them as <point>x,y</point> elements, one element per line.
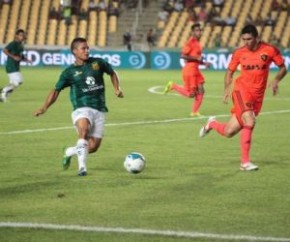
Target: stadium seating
<point>241,11</point>
<point>3,21</point>
<point>51,36</point>
<point>33,22</point>
<point>102,34</point>
<point>12,23</point>
<point>41,30</point>
<point>62,29</point>
<point>93,23</point>
<point>42,25</point>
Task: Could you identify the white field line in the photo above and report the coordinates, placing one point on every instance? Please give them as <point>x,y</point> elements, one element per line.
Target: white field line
<point>159,90</point>
<point>167,233</point>
<point>26,131</point>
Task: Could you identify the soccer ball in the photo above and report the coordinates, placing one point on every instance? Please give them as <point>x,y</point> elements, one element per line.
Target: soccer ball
<point>134,163</point>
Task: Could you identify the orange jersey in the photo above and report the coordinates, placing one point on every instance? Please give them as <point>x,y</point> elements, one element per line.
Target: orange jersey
<point>192,48</point>
<point>254,67</point>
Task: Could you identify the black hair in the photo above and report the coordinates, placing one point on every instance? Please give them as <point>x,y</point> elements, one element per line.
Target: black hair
<point>197,25</point>
<point>20,31</point>
<point>250,29</point>
<point>76,41</point>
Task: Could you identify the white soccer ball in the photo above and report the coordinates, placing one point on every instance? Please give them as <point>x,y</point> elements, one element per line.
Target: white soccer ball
<point>134,163</point>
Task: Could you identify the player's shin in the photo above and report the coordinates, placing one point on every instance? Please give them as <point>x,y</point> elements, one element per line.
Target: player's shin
<point>245,143</point>
<point>82,153</point>
<point>197,102</point>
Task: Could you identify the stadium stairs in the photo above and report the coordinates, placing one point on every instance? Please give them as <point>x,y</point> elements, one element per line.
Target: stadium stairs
<point>147,20</point>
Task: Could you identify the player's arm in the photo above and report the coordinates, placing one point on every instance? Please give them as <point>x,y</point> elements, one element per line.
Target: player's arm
<point>51,98</point>
<point>24,58</point>
<point>227,85</point>
<point>198,59</point>
<point>116,84</point>
<point>15,57</point>
<point>279,76</point>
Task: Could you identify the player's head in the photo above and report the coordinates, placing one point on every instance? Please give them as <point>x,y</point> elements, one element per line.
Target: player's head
<point>250,36</point>
<point>20,35</point>
<point>196,30</point>
<point>80,49</point>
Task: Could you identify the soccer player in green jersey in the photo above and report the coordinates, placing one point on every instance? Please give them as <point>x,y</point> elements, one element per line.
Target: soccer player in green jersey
<point>14,51</point>
<point>87,95</point>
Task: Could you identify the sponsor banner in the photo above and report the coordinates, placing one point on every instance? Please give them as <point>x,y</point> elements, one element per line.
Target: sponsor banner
<point>157,60</point>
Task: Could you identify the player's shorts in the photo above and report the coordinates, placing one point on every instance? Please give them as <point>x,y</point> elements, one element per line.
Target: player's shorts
<point>246,101</point>
<point>192,80</point>
<point>15,78</point>
<point>95,117</point>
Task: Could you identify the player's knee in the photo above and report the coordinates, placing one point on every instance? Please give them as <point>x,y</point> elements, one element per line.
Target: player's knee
<point>15,84</point>
<point>249,119</point>
<point>250,122</point>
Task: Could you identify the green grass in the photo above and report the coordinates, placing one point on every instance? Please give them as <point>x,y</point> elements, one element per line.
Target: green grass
<point>189,184</point>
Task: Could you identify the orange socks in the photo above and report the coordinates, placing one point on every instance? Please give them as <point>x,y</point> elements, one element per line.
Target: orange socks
<point>197,102</point>
<point>245,142</point>
<point>218,127</point>
<point>180,89</point>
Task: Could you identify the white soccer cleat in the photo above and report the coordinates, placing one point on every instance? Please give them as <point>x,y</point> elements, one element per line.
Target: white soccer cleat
<point>249,167</point>
<point>3,97</point>
<point>205,129</point>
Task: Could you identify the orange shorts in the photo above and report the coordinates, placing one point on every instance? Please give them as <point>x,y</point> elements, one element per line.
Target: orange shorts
<point>245,101</point>
<point>191,80</point>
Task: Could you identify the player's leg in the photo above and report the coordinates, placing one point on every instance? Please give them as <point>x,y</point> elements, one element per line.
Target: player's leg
<point>185,89</point>
<point>198,98</point>
<point>82,148</point>
<point>82,120</point>
<point>228,129</point>
<point>94,144</point>
<point>249,121</point>
<point>15,80</point>
<point>246,111</point>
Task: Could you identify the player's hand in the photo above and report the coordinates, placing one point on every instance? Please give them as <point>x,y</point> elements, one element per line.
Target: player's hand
<point>17,58</point>
<point>119,93</point>
<point>227,94</point>
<point>275,87</point>
<point>226,97</point>
<point>29,61</point>
<point>39,112</point>
<point>207,65</point>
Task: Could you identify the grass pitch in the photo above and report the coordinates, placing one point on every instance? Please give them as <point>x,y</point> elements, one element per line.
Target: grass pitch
<point>189,184</point>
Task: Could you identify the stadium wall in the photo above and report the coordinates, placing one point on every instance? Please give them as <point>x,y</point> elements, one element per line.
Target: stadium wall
<point>157,60</point>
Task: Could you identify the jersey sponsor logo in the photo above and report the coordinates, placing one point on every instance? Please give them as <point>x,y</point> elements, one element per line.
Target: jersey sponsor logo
<point>95,66</point>
<point>264,57</point>
<point>77,73</point>
<point>90,80</point>
<point>92,86</point>
<point>254,67</point>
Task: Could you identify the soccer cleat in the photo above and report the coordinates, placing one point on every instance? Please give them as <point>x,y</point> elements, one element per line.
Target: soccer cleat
<point>82,172</point>
<point>205,129</point>
<point>194,114</point>
<point>168,87</point>
<point>249,167</point>
<point>66,161</point>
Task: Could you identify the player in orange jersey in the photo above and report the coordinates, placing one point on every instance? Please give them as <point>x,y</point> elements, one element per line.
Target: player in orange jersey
<point>193,80</point>
<point>248,90</point>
